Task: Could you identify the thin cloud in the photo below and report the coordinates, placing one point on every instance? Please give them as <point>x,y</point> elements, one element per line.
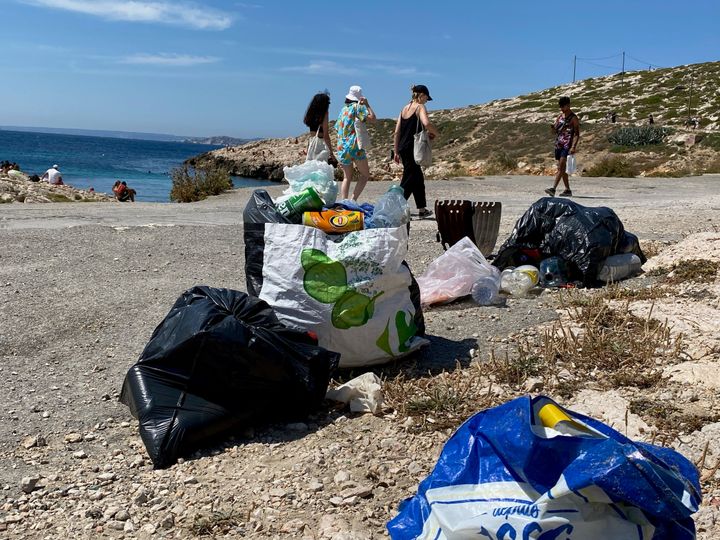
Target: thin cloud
<point>326,54</point>
<point>401,71</point>
<point>322,67</point>
<point>181,14</point>
<point>172,60</point>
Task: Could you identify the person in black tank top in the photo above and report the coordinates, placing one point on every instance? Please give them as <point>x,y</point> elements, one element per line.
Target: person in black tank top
<point>410,121</point>
<point>316,119</point>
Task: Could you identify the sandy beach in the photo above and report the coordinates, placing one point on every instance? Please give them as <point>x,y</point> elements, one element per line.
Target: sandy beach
<point>82,286</point>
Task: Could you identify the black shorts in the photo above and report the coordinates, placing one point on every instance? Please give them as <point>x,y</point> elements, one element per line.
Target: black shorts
<point>561,153</point>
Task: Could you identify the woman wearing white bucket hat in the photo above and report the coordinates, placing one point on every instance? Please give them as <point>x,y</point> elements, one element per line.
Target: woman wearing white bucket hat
<point>348,152</point>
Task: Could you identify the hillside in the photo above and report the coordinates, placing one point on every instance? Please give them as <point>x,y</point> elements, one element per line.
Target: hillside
<point>512,135</point>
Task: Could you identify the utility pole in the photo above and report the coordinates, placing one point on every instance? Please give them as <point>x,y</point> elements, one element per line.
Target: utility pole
<point>574,66</point>
<point>622,75</point>
<point>690,96</point>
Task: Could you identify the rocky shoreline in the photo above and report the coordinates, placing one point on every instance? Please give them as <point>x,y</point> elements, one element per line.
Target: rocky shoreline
<point>16,187</point>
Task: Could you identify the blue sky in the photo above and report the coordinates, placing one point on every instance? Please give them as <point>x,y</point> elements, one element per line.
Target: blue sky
<point>248,69</point>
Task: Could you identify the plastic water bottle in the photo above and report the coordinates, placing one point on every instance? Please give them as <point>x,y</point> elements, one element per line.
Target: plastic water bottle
<point>531,272</point>
<point>392,209</point>
<point>621,266</point>
<point>516,283</point>
<point>486,291</point>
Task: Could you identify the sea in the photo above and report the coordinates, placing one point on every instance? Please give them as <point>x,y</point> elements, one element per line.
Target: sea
<point>98,162</point>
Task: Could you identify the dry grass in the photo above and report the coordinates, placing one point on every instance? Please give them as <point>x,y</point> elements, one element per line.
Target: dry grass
<point>442,401</point>
<point>670,419</point>
<point>698,270</point>
<point>651,248</point>
<point>598,343</point>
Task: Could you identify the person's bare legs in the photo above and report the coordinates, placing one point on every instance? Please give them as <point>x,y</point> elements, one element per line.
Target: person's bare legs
<point>347,179</point>
<point>364,170</point>
<point>562,173</point>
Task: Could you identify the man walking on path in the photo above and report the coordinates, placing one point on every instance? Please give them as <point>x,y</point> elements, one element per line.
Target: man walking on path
<point>567,133</point>
<point>53,176</point>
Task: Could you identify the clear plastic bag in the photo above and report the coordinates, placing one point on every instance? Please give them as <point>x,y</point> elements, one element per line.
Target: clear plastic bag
<point>315,174</point>
<point>391,210</point>
<point>571,166</point>
<point>453,274</point>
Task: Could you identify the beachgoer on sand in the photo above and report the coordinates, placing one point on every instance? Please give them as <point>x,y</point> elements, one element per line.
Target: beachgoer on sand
<point>408,124</point>
<point>122,192</point>
<point>567,134</point>
<point>316,119</point>
<point>348,152</point>
<point>53,176</point>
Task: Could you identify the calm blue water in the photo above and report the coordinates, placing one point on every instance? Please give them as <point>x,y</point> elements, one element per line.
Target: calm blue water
<point>99,161</point>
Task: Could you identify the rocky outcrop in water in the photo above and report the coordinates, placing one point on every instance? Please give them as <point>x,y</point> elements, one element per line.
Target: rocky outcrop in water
<point>16,187</point>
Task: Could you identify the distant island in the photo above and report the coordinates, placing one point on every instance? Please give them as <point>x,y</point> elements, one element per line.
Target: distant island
<point>161,137</point>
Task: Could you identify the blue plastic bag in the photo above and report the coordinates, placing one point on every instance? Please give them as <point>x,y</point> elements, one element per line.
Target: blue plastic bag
<point>531,469</point>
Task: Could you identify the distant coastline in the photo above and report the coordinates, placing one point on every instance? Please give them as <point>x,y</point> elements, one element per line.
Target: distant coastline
<point>219,140</point>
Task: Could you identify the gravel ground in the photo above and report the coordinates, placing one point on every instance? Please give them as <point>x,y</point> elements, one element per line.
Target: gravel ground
<point>82,286</point>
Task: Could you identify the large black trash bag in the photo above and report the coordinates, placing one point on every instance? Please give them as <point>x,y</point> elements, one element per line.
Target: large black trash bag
<point>583,236</point>
<point>219,361</point>
<point>259,210</point>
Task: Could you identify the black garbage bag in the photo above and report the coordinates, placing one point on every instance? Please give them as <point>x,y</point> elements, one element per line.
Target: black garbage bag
<point>583,236</point>
<point>220,361</point>
<point>259,210</point>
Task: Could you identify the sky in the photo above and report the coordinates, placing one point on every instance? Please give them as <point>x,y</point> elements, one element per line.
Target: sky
<point>249,69</point>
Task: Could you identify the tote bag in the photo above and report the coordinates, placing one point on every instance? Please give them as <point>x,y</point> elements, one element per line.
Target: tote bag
<point>317,149</point>
<point>361,132</point>
<point>421,146</point>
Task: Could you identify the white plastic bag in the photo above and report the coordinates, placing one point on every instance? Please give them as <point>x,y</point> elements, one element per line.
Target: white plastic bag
<point>315,174</point>
<point>571,165</point>
<point>353,290</point>
<point>363,393</point>
<point>453,273</point>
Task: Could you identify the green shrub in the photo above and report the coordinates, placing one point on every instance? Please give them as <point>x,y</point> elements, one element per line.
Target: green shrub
<point>190,185</point>
<point>614,166</point>
<point>638,135</point>
<point>711,140</point>
<point>500,163</point>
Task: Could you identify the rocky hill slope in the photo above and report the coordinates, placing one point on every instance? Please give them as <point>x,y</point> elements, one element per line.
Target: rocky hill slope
<point>512,135</point>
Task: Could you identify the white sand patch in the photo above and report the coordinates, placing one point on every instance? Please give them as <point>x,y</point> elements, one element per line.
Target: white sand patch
<point>705,245</point>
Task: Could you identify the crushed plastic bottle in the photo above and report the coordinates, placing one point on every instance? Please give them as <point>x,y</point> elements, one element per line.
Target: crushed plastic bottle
<point>618,267</point>
<point>392,209</point>
<point>516,283</point>
<point>486,291</point>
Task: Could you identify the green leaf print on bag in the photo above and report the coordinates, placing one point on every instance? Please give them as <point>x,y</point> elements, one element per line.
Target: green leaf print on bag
<point>310,257</point>
<point>405,331</point>
<point>353,309</point>
<point>325,280</point>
